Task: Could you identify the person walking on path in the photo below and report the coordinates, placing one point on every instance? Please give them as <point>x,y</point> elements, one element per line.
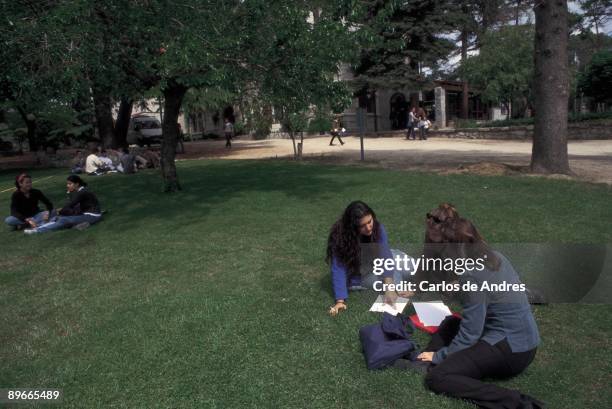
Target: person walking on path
<point>336,132</point>
<point>228,128</point>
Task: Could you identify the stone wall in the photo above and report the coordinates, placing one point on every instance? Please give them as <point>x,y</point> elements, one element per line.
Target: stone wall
<point>576,131</point>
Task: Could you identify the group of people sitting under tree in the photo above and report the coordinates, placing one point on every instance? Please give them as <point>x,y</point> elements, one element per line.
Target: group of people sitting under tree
<point>81,210</point>
<point>493,339</point>
<point>101,161</point>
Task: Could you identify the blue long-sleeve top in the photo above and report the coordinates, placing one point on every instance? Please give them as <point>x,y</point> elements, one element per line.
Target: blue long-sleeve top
<point>494,316</point>
<point>339,272</point>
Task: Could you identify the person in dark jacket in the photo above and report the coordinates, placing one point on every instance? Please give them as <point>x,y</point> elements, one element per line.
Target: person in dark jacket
<point>25,211</point>
<point>496,337</point>
<point>336,132</point>
<point>81,210</point>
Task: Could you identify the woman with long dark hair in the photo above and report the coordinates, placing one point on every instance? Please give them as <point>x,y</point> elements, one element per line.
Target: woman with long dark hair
<point>81,210</point>
<point>497,336</point>
<point>25,210</point>
<point>349,235</point>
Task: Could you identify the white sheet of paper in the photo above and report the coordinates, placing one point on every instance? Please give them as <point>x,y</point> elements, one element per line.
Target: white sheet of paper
<point>380,305</point>
<point>431,314</point>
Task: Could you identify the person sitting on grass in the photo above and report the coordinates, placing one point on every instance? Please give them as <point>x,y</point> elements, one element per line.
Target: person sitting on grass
<point>497,336</point>
<point>24,205</point>
<point>128,162</point>
<point>93,165</point>
<point>152,159</point>
<point>77,164</point>
<point>432,246</point>
<point>81,210</point>
<point>349,235</point>
<point>107,161</point>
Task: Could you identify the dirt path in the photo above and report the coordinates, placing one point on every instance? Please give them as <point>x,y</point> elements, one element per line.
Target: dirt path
<point>590,160</point>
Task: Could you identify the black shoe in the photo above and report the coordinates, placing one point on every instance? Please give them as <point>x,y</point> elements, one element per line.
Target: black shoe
<point>417,366</point>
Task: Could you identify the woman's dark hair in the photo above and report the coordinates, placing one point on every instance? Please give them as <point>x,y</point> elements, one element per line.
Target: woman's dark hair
<point>20,177</point>
<point>463,240</point>
<point>344,242</point>
<point>76,179</point>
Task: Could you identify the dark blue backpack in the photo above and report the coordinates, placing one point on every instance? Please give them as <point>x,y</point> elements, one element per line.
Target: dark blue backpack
<point>386,342</point>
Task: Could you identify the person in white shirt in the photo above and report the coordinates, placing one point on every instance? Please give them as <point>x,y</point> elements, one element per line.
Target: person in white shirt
<point>93,164</point>
<point>423,126</point>
<point>107,162</point>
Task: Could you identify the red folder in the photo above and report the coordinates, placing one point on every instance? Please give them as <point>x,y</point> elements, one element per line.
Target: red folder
<point>430,330</point>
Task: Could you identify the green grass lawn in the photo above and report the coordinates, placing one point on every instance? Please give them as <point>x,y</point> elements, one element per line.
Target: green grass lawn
<point>218,296</point>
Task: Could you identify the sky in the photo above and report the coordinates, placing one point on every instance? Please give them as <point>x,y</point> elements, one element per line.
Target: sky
<point>574,7</point>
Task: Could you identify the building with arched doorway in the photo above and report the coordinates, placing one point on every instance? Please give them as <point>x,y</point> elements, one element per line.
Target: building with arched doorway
<point>386,110</point>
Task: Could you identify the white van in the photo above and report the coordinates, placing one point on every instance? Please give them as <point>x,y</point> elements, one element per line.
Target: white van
<point>144,130</point>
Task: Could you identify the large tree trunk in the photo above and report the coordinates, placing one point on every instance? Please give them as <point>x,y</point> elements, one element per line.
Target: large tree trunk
<point>173,98</point>
<point>551,89</point>
<point>104,116</point>
<point>30,122</point>
<point>123,122</point>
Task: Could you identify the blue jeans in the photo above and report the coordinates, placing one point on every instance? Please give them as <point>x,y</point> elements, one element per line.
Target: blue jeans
<point>14,222</point>
<point>65,222</point>
<point>410,131</point>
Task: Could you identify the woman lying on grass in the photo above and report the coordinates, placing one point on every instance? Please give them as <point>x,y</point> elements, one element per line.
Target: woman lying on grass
<point>81,210</point>
<point>497,336</point>
<point>25,211</point>
<point>349,236</point>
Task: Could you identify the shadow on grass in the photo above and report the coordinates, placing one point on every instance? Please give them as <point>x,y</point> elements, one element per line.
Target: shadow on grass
<point>132,201</point>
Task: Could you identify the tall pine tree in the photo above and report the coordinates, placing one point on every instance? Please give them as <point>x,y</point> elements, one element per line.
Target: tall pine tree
<point>405,37</point>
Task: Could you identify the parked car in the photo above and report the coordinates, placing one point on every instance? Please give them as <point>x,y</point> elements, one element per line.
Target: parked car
<point>144,130</point>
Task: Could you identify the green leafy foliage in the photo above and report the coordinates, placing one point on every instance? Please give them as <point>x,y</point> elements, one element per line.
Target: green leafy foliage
<point>322,122</point>
<point>503,69</point>
<point>400,38</point>
<point>596,81</point>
